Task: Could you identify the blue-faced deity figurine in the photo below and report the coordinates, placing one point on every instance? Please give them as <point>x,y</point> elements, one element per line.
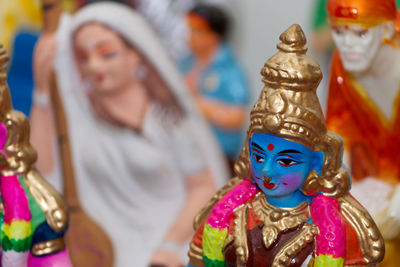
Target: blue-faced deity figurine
<point>289,205</point>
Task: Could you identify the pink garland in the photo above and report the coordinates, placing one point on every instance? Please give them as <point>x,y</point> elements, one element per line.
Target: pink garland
<point>331,239</point>
<point>221,213</point>
<point>16,205</point>
<point>60,259</point>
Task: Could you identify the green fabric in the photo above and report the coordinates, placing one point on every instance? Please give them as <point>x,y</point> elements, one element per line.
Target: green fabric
<point>320,15</point>
<point>20,245</point>
<point>38,216</point>
<point>1,221</point>
<point>213,263</point>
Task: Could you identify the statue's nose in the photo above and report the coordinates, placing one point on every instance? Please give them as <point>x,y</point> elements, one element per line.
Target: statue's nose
<point>268,170</point>
<point>267,179</point>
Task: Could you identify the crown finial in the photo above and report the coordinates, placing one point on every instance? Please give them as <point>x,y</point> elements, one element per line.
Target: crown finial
<point>290,68</point>
<point>293,40</point>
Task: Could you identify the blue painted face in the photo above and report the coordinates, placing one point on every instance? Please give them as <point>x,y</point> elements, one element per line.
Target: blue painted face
<point>279,166</point>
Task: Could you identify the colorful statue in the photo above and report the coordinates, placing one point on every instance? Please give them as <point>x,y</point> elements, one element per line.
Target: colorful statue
<point>290,204</point>
<point>144,159</point>
<point>33,216</point>
<point>363,106</point>
<point>215,79</point>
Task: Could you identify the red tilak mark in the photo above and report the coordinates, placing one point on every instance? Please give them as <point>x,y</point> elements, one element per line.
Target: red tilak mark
<point>270,147</point>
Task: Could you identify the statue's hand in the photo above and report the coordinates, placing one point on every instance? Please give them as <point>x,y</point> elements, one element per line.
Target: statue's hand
<point>43,60</point>
<point>165,258</point>
<point>388,220</point>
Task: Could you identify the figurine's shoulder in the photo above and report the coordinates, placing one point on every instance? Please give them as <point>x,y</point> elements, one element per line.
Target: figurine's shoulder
<point>363,242</point>
<point>222,205</point>
<point>214,220</point>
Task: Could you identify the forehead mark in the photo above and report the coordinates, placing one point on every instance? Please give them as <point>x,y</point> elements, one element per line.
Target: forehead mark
<point>270,147</point>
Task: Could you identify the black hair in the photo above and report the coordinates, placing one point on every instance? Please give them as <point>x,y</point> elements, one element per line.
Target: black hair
<point>215,16</point>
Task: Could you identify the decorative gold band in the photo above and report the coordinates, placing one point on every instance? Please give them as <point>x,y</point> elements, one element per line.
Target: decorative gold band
<point>48,247</point>
<point>195,255</point>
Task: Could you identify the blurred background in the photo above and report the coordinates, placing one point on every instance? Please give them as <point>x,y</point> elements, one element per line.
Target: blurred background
<point>255,32</point>
<point>257,26</point>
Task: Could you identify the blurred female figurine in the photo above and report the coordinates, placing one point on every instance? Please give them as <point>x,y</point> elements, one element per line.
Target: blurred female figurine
<point>214,77</point>
<point>363,106</point>
<point>289,205</point>
<point>144,159</point>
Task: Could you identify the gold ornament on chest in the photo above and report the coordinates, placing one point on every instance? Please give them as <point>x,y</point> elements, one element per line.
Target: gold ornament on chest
<point>275,220</point>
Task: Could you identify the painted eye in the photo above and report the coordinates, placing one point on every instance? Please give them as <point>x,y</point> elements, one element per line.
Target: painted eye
<point>361,33</point>
<point>339,30</point>
<point>287,162</point>
<point>258,158</point>
<point>109,55</point>
<point>81,57</point>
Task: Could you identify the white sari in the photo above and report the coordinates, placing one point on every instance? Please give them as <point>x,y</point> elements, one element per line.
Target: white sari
<point>132,184</point>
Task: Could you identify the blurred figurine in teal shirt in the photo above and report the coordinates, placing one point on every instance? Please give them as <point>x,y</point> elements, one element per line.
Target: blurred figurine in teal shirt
<point>215,78</point>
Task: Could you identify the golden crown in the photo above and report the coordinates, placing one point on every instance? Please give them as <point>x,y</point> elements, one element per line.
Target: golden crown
<point>288,105</point>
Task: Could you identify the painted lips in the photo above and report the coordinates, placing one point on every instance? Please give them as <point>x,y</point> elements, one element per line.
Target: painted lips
<point>352,56</point>
<point>269,185</point>
<point>99,78</point>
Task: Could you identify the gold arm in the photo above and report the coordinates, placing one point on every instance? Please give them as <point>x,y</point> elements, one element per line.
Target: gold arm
<point>49,200</point>
<point>371,241</point>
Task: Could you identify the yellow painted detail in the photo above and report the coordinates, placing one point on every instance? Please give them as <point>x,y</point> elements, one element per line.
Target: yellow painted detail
<point>17,230</point>
<point>328,261</point>
<point>213,242</point>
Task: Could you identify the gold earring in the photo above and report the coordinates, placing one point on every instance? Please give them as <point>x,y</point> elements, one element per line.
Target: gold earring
<point>311,185</point>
